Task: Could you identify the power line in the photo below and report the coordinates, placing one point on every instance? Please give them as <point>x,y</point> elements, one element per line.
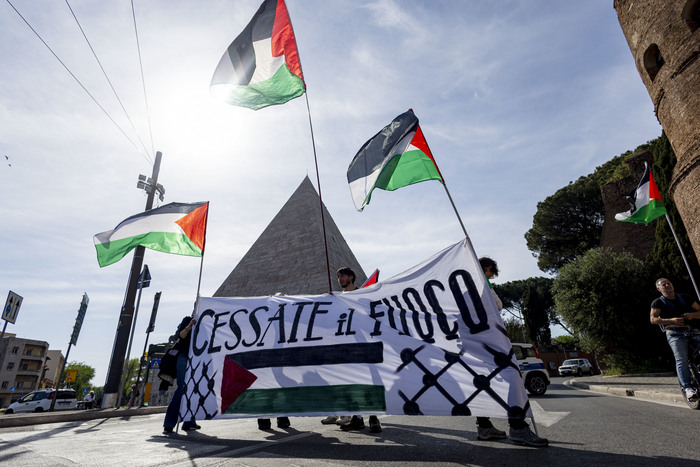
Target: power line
<point>74,77</point>
<point>94,54</point>
<point>143,81</point>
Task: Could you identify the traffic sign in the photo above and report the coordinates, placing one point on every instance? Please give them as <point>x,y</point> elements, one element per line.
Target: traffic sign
<point>155,364</point>
<point>11,309</point>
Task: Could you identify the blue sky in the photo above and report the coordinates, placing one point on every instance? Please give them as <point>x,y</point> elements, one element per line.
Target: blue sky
<point>516,99</point>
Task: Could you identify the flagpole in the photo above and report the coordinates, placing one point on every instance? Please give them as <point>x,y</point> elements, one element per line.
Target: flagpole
<point>201,265</point>
<point>320,198</point>
<point>685,260</point>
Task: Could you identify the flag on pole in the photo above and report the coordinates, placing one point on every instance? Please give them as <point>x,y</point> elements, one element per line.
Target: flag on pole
<point>395,157</point>
<point>261,67</point>
<point>178,228</point>
<point>645,201</point>
<point>373,279</point>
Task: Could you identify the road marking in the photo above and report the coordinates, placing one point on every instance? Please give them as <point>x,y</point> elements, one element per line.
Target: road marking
<point>544,418</point>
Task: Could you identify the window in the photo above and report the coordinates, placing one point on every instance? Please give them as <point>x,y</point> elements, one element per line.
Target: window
<point>10,365</point>
<point>29,351</point>
<point>5,384</point>
<point>20,384</point>
<point>25,367</point>
<point>691,14</point>
<point>15,349</point>
<point>653,61</point>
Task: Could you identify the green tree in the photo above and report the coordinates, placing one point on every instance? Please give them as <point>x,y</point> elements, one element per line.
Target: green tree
<point>536,317</point>
<point>602,296</point>
<point>515,330</point>
<point>665,259</point>
<point>569,222</point>
<point>84,377</point>
<point>131,371</point>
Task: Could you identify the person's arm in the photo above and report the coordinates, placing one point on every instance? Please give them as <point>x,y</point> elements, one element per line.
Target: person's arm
<point>186,330</point>
<point>655,318</point>
<point>694,314</point>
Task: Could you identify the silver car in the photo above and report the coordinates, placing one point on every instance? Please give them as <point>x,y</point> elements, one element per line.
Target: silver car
<point>576,366</point>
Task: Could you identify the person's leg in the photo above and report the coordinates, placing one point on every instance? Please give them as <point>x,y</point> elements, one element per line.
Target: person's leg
<point>485,429</point>
<point>520,433</point>
<point>679,345</point>
<point>283,422</point>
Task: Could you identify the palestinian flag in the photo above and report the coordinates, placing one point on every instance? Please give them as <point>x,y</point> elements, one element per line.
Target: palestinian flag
<point>261,67</point>
<point>395,157</point>
<point>645,201</point>
<point>373,279</point>
<point>178,228</point>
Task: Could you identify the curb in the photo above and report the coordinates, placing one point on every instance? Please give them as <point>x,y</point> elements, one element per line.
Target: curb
<point>16,420</point>
<point>627,392</point>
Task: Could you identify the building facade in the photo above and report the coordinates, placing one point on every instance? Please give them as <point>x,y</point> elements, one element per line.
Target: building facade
<point>21,367</point>
<point>664,37</point>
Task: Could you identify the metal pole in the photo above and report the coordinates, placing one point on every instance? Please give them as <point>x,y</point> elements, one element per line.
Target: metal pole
<point>60,378</point>
<point>128,350</point>
<point>685,260</point>
<point>121,337</point>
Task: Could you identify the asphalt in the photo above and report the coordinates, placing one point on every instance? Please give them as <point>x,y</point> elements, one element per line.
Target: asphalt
<point>658,387</point>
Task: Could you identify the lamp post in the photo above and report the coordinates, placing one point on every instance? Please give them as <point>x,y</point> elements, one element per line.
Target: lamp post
<point>126,315</point>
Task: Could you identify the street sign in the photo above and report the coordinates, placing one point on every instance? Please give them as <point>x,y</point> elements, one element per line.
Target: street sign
<point>79,319</point>
<point>85,390</point>
<point>144,278</point>
<point>11,309</point>
<point>154,312</point>
<point>155,364</point>
<point>13,389</point>
<point>71,376</point>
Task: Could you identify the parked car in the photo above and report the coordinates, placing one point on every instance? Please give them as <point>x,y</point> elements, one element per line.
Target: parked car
<point>40,401</point>
<point>532,368</point>
<point>576,366</point>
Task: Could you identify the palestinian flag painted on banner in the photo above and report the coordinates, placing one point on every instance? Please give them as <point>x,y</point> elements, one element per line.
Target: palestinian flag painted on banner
<point>395,157</point>
<point>178,228</point>
<point>645,201</point>
<point>261,67</point>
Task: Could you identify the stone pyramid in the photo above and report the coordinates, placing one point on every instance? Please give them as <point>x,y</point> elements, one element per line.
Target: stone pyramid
<point>289,255</point>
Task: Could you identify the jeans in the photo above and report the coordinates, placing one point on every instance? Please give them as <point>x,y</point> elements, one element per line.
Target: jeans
<point>173,412</point>
<point>678,340</point>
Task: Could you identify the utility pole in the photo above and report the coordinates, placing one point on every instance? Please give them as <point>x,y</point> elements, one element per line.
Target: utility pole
<point>121,339</point>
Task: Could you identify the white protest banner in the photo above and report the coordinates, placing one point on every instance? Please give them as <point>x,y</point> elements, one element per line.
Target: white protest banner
<point>429,341</point>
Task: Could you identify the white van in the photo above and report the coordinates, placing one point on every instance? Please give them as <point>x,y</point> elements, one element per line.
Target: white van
<point>40,401</point>
<point>532,368</point>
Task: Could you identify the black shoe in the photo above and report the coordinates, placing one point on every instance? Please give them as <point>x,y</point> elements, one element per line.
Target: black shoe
<point>374,425</point>
<point>167,430</point>
<point>191,426</point>
<point>264,424</point>
<point>283,422</point>
<point>355,423</point>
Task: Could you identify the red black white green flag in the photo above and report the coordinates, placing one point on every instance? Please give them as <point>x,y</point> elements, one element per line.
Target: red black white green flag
<point>261,67</point>
<point>178,228</point>
<point>395,157</point>
<point>645,201</point>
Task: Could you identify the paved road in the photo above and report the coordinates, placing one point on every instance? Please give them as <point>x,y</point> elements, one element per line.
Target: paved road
<point>584,427</point>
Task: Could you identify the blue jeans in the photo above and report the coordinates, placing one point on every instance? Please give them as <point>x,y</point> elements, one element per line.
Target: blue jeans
<point>679,340</point>
<point>173,412</point>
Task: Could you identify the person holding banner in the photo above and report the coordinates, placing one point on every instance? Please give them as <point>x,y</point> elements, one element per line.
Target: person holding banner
<point>183,350</point>
<point>520,432</point>
<point>346,279</point>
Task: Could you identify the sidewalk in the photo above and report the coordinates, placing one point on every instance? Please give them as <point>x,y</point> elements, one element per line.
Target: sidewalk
<point>655,386</point>
<point>24,419</point>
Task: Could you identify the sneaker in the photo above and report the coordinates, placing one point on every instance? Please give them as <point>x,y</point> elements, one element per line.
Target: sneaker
<point>191,426</point>
<point>691,394</point>
<point>330,420</point>
<point>343,419</point>
<point>376,427</point>
<point>283,422</point>
<point>528,437</point>
<point>264,424</point>
<point>491,432</point>
<point>355,423</point>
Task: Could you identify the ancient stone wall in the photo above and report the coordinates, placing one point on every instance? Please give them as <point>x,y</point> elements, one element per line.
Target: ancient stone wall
<point>664,37</point>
